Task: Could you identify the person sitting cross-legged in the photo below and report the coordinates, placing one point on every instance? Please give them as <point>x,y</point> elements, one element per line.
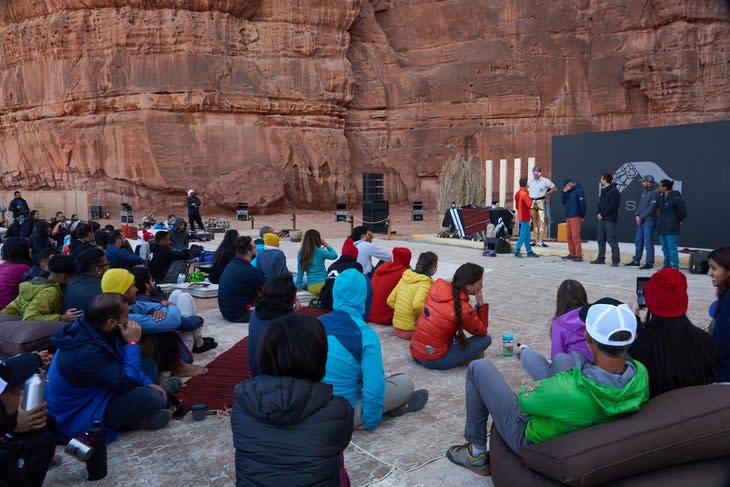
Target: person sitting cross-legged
<point>584,394</point>
<point>117,256</point>
<point>355,361</point>
<point>165,262</point>
<point>271,260</point>
<point>240,283</point>
<point>98,373</point>
<point>86,284</point>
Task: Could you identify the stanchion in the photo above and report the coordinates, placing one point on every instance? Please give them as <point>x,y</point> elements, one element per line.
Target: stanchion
<point>352,222</point>
<point>388,219</point>
<point>252,220</point>
<point>294,221</point>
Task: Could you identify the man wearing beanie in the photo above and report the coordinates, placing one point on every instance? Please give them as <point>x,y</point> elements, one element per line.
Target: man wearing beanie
<point>384,280</point>
<point>271,260</point>
<point>675,352</point>
<point>347,260</point>
<point>158,322</point>
<point>586,394</point>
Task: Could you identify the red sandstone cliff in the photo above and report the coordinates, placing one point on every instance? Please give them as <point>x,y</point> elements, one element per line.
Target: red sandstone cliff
<point>285,102</point>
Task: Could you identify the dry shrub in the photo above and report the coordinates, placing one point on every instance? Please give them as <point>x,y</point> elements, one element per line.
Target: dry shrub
<point>462,181</point>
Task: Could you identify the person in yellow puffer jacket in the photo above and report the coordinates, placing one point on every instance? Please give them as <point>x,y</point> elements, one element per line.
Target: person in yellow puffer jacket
<point>409,295</point>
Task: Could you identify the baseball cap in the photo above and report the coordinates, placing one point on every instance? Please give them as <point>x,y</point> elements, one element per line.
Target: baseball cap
<point>536,169</point>
<point>603,319</point>
<point>567,180</point>
<point>648,179</point>
<point>17,369</point>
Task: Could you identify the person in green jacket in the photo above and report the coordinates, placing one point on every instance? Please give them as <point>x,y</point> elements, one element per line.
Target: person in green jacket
<point>585,394</point>
<point>41,298</point>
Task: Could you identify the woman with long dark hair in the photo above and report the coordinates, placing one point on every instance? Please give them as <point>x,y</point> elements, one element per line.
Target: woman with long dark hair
<point>40,239</point>
<point>439,341</point>
<point>223,255</point>
<point>278,298</point>
<point>288,428</point>
<point>15,254</point>
<point>719,272</point>
<point>310,260</point>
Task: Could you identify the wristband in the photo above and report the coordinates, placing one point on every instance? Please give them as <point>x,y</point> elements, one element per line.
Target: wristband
<point>133,342</point>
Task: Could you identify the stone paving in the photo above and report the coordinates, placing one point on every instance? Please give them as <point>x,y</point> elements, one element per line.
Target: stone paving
<point>406,451</point>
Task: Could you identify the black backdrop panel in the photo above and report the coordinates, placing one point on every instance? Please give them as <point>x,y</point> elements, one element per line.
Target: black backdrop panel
<point>696,157</point>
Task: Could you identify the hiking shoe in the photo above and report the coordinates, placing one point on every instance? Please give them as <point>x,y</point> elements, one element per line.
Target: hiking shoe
<point>541,244</point>
<point>614,264</point>
<point>598,261</point>
<point>171,385</point>
<point>518,256</point>
<point>415,402</point>
<point>156,420</point>
<point>646,266</point>
<point>568,257</point>
<point>461,455</point>
<point>532,254</point>
<point>577,259</point>
<point>632,263</point>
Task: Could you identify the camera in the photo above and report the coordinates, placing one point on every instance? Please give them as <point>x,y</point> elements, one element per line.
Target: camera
<point>81,447</point>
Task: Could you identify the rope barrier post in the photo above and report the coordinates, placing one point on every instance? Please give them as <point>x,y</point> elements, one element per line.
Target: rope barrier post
<point>352,222</point>
<point>388,220</point>
<point>252,219</point>
<point>294,221</point>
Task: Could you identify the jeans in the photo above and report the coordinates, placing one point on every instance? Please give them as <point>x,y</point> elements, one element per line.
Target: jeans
<point>607,232</point>
<point>645,240</point>
<point>475,345</point>
<point>488,393</point>
<point>524,238</point>
<point>669,249</point>
<point>539,368</point>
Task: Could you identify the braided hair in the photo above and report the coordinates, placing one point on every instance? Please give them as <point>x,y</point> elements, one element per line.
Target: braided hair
<point>466,274</point>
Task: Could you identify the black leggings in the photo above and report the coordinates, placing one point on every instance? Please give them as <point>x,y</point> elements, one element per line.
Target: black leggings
<point>36,448</point>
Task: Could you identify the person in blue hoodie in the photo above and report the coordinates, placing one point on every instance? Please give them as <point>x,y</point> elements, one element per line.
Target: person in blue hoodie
<point>118,257</point>
<point>574,201</point>
<point>355,362</point>
<point>98,373</point>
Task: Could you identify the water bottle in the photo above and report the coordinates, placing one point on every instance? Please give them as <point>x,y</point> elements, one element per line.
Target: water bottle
<point>34,392</point>
<point>96,464</point>
<point>181,278</point>
<point>508,345</point>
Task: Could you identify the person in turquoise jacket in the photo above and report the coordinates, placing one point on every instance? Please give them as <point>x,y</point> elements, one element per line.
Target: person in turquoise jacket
<point>355,362</point>
<point>310,260</point>
<point>583,394</point>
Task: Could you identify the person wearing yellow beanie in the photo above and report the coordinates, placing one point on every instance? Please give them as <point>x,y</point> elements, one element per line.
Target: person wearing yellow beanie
<point>118,281</point>
<point>271,260</point>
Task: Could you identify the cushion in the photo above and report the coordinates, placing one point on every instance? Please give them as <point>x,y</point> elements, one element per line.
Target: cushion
<point>681,426</point>
<point>18,336</point>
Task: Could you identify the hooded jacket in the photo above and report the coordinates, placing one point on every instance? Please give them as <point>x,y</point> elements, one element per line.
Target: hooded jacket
<point>574,201</point>
<point>335,269</point>
<point>75,247</point>
<point>608,202</point>
<point>272,262</point>
<point>436,326</point>
<point>568,335</point>
<point>160,258</point>
<point>81,291</point>
<point>384,280</point>
<point>120,258</point>
<point>86,372</point>
<point>39,299</point>
<point>11,275</point>
<point>289,431</point>
<point>672,212</point>
<point>39,239</point>
<point>648,204</point>
<point>408,299</point>
<point>179,241</point>
<point>354,358</point>
<point>582,396</point>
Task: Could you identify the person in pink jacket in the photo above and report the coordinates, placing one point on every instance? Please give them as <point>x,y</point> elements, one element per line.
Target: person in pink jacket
<point>567,331</point>
<point>16,261</point>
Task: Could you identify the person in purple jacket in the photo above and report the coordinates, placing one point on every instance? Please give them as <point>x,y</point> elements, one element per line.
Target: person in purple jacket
<point>567,332</point>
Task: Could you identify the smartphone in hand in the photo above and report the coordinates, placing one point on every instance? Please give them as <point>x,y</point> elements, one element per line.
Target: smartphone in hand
<point>640,288</point>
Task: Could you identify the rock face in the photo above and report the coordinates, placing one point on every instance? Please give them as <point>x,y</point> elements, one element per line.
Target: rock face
<point>284,103</point>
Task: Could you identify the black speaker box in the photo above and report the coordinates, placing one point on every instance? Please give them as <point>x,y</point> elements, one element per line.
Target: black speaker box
<point>375,211</point>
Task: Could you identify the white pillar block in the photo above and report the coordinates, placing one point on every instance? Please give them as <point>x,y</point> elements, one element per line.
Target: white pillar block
<point>488,182</point>
<point>502,182</point>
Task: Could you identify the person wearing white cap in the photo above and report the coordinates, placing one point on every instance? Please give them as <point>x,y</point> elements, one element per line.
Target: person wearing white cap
<point>194,211</point>
<point>585,394</point>
<point>540,189</point>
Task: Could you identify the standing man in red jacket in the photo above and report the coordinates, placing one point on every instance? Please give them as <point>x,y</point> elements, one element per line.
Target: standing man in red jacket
<point>523,204</point>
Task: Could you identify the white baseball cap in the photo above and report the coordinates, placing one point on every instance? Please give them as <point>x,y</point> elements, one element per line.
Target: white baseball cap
<point>603,320</point>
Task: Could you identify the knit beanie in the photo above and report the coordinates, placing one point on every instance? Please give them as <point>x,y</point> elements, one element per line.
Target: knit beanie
<point>349,249</point>
<point>402,256</point>
<point>271,240</point>
<point>116,281</point>
<point>666,293</point>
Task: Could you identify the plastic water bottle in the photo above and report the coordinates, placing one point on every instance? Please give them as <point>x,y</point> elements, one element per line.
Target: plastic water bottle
<point>181,278</point>
<point>508,345</point>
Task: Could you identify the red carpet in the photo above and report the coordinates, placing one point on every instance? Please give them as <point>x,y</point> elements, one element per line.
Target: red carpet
<point>215,387</point>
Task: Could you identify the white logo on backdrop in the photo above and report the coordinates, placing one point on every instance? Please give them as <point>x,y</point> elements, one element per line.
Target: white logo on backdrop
<point>625,174</point>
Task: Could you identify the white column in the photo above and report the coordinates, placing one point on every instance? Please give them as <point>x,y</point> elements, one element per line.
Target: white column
<point>530,165</point>
<point>502,182</point>
<point>488,182</point>
<point>517,175</point>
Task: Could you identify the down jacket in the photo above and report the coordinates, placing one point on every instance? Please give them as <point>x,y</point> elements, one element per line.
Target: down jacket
<point>384,280</point>
<point>39,299</point>
<point>289,432</point>
<point>408,299</point>
<point>436,326</point>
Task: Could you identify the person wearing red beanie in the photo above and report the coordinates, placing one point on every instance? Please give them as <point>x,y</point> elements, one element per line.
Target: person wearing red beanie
<point>347,260</point>
<point>385,278</point>
<point>674,351</point>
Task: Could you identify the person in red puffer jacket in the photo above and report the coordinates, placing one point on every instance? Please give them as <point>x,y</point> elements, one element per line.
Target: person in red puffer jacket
<point>439,341</point>
<point>384,280</point>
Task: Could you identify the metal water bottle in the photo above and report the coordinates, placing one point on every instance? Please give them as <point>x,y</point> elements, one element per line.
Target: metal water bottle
<point>34,392</point>
<point>96,464</point>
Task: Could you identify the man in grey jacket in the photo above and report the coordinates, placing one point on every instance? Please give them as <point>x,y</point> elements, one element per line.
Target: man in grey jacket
<point>645,216</point>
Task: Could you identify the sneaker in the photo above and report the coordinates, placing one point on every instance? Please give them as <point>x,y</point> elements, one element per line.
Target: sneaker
<point>532,254</point>
<point>415,402</point>
<point>598,261</point>
<point>646,266</point>
<point>171,385</point>
<point>568,257</point>
<point>632,263</point>
<point>614,264</point>
<point>461,455</point>
<point>577,259</point>
<point>156,420</point>
<point>518,255</point>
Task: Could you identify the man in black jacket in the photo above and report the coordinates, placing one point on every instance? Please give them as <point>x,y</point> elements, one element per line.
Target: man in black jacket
<point>608,204</point>
<point>165,263</point>
<point>672,211</point>
<point>18,206</point>
<point>194,211</point>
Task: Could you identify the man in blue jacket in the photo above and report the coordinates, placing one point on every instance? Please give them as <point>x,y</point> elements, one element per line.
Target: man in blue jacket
<point>672,212</point>
<point>355,362</point>
<point>645,216</point>
<point>607,214</point>
<point>118,257</point>
<point>98,373</point>
<point>574,201</point>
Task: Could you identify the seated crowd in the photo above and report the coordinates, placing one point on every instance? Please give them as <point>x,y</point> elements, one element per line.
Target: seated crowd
<point>316,380</point>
